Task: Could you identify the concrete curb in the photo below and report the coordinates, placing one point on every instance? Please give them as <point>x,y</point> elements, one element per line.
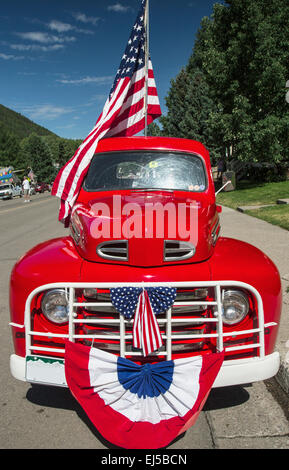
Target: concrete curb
<point>282,376</point>
<point>248,208</point>
<point>274,242</point>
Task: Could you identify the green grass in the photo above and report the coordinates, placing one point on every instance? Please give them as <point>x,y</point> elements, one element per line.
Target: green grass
<point>257,195</point>
<point>254,194</point>
<point>276,215</point>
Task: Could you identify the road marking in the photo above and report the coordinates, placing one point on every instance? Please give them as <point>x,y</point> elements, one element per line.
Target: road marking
<point>21,206</point>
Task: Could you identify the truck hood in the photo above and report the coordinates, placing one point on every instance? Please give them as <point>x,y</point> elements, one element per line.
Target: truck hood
<point>145,228</point>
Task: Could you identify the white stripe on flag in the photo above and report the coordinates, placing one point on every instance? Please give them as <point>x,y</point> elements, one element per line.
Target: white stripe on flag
<point>146,330</point>
<point>136,325</point>
<point>126,124</point>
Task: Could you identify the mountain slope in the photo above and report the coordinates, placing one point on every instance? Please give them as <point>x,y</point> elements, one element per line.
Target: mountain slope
<point>20,125</point>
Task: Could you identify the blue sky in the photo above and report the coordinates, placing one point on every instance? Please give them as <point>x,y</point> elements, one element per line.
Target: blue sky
<point>58,59</point>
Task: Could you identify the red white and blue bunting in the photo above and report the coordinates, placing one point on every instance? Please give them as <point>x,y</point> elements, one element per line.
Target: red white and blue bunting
<point>139,406</point>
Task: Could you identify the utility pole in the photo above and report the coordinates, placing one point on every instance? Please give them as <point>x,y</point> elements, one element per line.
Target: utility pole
<point>146,22</point>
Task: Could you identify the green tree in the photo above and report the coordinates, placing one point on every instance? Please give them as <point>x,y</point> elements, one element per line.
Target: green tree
<point>154,129</point>
<point>66,150</point>
<point>175,102</point>
<point>37,155</point>
<point>190,107</point>
<point>242,52</point>
<point>9,149</point>
<point>62,153</point>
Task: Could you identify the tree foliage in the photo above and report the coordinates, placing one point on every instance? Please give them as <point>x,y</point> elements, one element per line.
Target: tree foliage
<point>20,125</point>
<point>231,94</point>
<point>24,144</point>
<point>9,147</point>
<point>37,156</point>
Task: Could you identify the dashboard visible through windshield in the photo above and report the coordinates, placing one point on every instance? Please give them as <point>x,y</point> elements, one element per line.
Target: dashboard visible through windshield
<point>146,170</point>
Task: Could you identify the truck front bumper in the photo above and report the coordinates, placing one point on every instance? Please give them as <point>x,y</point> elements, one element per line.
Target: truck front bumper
<point>234,372</point>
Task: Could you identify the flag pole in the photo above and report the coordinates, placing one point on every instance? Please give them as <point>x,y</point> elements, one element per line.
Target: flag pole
<point>146,65</point>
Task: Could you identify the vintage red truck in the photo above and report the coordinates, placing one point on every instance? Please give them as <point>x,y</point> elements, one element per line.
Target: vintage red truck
<point>228,292</point>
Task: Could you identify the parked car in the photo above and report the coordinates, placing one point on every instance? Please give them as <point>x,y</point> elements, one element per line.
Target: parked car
<point>42,187</point>
<point>8,191</point>
<point>17,191</point>
<point>32,189</point>
<point>228,293</point>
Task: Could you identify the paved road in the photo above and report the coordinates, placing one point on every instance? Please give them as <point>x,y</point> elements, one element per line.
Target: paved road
<point>49,418</point>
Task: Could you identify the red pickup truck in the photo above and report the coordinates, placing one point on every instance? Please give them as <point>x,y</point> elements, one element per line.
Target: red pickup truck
<point>146,215</point>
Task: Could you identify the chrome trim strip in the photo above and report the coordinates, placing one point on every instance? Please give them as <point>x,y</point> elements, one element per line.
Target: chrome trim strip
<point>183,246</point>
<point>103,248</point>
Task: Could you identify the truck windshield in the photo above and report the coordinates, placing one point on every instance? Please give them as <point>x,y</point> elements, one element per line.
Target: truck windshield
<point>146,170</point>
<point>4,186</point>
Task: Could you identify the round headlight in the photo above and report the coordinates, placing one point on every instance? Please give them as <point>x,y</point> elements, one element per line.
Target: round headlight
<point>54,305</point>
<point>235,306</point>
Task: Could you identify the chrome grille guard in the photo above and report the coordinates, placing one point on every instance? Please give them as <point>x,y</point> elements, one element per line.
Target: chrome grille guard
<point>121,336</point>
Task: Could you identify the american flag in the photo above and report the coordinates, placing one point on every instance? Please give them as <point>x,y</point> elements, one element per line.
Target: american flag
<point>123,114</point>
<point>146,332</point>
<point>144,305</point>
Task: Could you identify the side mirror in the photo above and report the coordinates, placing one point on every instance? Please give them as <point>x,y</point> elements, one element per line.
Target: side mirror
<point>219,209</point>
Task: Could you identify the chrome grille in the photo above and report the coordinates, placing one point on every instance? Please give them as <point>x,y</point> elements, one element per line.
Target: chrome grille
<point>52,343</point>
<point>101,321</point>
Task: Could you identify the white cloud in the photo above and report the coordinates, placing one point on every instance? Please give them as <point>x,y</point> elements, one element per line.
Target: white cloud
<point>118,7</point>
<point>50,41</point>
<point>45,38</point>
<point>83,18</point>
<point>10,57</point>
<point>60,27</point>
<point>45,111</point>
<point>86,80</point>
<point>36,47</point>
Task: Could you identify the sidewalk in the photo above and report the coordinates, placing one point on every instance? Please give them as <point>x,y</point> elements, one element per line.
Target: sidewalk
<point>274,242</point>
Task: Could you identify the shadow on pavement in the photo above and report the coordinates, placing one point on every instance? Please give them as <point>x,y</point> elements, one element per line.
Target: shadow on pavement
<point>57,397</point>
<point>226,397</point>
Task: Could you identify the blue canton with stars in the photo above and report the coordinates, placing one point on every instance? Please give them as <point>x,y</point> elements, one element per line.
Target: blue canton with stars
<point>134,55</point>
<point>125,299</point>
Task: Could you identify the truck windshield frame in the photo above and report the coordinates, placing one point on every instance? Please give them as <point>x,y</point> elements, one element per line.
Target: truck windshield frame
<point>146,170</point>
